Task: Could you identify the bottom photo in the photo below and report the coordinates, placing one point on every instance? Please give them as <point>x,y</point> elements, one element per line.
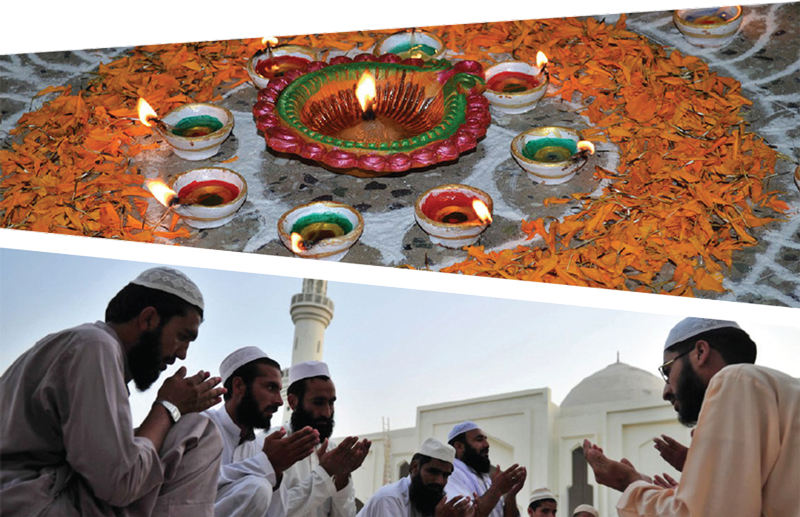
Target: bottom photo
<point>147,389</point>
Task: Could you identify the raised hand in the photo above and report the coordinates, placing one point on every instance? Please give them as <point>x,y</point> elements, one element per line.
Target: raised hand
<point>520,480</point>
<point>665,482</point>
<point>191,394</point>
<point>345,458</point>
<point>615,474</point>
<point>455,507</point>
<point>507,480</point>
<point>284,451</point>
<point>672,451</point>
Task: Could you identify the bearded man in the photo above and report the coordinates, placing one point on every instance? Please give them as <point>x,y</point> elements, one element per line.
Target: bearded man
<point>496,493</point>
<point>320,485</point>
<point>744,452</point>
<point>421,493</point>
<point>67,442</point>
<point>252,467</point>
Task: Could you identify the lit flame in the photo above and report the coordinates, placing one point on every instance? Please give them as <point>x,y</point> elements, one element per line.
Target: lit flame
<point>585,145</point>
<point>541,59</point>
<point>482,211</point>
<point>163,194</point>
<point>298,244</point>
<point>269,41</point>
<point>146,112</point>
<point>365,90</point>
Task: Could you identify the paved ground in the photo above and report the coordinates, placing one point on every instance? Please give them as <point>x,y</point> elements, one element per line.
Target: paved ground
<point>765,57</point>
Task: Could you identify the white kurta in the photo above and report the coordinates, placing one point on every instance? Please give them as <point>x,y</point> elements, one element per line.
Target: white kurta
<point>311,492</point>
<point>67,445</point>
<point>390,501</point>
<point>744,460</point>
<point>246,477</point>
<point>465,481</point>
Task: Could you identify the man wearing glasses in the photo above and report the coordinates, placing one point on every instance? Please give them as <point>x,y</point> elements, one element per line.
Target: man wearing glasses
<point>745,454</point>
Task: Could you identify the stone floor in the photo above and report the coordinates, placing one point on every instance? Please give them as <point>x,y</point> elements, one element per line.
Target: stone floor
<point>765,57</point>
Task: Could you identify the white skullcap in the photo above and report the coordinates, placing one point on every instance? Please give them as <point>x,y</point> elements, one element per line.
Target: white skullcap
<point>306,370</point>
<point>438,450</point>
<point>239,358</point>
<point>171,281</point>
<point>541,493</point>
<point>463,427</point>
<point>690,327</point>
<point>586,508</point>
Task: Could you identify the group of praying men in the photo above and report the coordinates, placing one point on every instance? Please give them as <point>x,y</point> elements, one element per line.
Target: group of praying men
<point>68,446</point>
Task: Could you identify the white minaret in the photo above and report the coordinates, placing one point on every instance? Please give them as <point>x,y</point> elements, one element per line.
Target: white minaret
<point>312,312</point>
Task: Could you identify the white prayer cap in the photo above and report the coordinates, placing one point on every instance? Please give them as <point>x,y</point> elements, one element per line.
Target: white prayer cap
<point>171,281</point>
<point>239,358</point>
<point>691,327</point>
<point>438,450</point>
<point>541,493</point>
<point>463,427</point>
<point>586,508</point>
<point>307,370</point>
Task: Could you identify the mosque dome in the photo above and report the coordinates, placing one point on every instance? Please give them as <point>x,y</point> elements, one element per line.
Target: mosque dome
<point>614,383</point>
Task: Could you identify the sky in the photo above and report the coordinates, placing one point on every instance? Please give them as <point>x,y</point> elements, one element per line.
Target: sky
<point>389,349</point>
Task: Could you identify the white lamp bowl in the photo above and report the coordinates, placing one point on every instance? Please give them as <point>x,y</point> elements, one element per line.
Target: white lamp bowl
<point>199,216</point>
<point>284,50</point>
<point>196,148</point>
<point>515,102</point>
<point>451,235</point>
<point>333,249</point>
<point>541,171</point>
<point>718,29</point>
<point>386,44</point>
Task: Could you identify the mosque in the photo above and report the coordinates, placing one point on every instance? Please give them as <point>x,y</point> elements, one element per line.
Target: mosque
<point>619,408</point>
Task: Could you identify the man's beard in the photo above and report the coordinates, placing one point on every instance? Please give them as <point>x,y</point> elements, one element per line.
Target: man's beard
<point>689,394</point>
<point>424,497</point>
<point>475,460</point>
<point>144,359</point>
<point>323,425</point>
<point>248,413</point>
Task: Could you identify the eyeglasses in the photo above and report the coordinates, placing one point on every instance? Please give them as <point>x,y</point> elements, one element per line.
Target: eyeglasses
<point>665,368</point>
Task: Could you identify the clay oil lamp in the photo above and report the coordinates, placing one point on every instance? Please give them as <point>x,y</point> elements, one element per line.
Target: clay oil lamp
<point>551,155</point>
<point>710,26</point>
<point>194,131</point>
<point>275,61</point>
<point>370,118</point>
<point>203,198</point>
<point>454,216</point>
<point>514,87</point>
<point>323,230</point>
<point>414,44</point>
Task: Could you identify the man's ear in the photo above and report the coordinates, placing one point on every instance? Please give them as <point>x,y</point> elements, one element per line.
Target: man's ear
<point>291,398</point>
<point>148,319</point>
<point>238,387</point>
<point>413,468</point>
<point>459,447</point>
<point>703,352</point>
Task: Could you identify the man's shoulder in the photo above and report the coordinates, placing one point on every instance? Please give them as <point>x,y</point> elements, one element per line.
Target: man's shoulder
<point>397,490</point>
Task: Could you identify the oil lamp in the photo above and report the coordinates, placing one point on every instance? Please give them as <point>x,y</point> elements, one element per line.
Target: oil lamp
<point>710,26</point>
<point>323,230</point>
<point>276,61</point>
<point>414,44</point>
<point>514,87</point>
<point>194,131</point>
<point>203,198</point>
<point>551,155</point>
<point>454,216</point>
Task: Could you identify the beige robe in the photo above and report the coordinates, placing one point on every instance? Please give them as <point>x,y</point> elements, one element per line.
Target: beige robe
<point>67,445</point>
<point>745,455</point>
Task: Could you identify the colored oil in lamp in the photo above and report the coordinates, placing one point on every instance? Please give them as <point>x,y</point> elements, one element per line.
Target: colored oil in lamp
<point>201,125</point>
<point>279,65</point>
<point>550,150</point>
<point>319,226</point>
<point>451,208</point>
<point>512,82</point>
<point>412,49</point>
<point>715,18</point>
<point>208,193</point>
